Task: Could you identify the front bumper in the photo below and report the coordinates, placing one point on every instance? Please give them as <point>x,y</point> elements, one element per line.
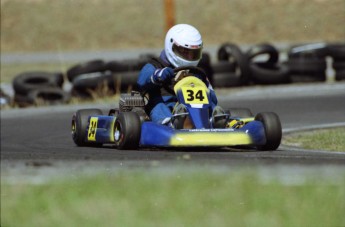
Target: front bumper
<point>152,134</point>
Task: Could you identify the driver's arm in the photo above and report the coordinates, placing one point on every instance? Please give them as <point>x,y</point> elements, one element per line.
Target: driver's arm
<point>151,77</point>
<point>144,80</point>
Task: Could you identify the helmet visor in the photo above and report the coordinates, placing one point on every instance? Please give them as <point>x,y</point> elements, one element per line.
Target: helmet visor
<point>190,54</point>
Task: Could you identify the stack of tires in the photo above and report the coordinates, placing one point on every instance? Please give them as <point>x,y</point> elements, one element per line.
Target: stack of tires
<point>337,52</point>
<point>307,63</point>
<point>265,67</point>
<point>126,72</point>
<point>88,77</point>
<point>205,64</point>
<point>36,88</point>
<point>103,78</point>
<point>232,67</point>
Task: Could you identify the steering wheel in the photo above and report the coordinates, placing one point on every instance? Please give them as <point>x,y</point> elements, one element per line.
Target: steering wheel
<point>192,70</point>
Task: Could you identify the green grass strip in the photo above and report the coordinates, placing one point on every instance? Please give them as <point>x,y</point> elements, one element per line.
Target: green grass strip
<point>194,198</point>
<point>325,139</point>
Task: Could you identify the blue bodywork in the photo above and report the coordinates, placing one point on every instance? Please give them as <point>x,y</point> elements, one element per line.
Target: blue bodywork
<point>195,96</point>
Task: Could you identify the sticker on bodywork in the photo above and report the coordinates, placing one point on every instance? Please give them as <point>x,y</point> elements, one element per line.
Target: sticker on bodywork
<point>91,134</point>
<point>194,95</point>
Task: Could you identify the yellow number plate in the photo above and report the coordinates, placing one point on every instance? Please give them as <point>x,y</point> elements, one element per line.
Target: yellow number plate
<point>91,134</point>
<point>195,95</point>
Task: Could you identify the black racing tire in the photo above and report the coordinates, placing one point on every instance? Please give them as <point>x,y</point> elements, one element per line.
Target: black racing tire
<point>117,66</point>
<point>240,112</point>
<point>80,122</point>
<point>337,51</point>
<point>267,73</point>
<point>92,80</point>
<point>49,96</point>
<point>263,49</point>
<point>340,75</point>
<point>338,65</point>
<point>309,50</point>
<point>232,53</point>
<point>226,79</point>
<point>125,81</point>
<point>84,68</point>
<point>308,78</point>
<point>205,64</point>
<point>225,75</point>
<point>126,65</point>
<point>28,81</point>
<point>224,52</point>
<point>223,67</point>
<point>22,101</point>
<point>127,131</point>
<point>306,65</point>
<point>273,130</point>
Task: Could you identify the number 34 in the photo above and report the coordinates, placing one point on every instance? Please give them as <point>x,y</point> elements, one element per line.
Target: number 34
<point>197,96</point>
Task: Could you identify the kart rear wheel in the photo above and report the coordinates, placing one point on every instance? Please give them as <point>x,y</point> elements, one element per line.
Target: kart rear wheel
<point>273,130</point>
<point>79,126</point>
<point>127,130</point>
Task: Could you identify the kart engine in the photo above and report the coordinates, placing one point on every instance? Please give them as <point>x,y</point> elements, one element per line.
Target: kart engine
<point>130,101</point>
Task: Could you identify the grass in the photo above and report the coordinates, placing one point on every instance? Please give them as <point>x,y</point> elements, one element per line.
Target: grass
<point>326,139</point>
<point>181,198</point>
<point>48,25</point>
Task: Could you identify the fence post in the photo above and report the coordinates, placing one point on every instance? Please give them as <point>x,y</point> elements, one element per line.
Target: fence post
<point>169,14</point>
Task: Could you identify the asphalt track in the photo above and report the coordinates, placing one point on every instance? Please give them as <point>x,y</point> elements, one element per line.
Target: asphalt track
<point>43,134</point>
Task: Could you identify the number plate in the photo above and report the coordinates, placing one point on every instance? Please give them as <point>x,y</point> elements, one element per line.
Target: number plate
<point>91,134</point>
<point>195,95</point>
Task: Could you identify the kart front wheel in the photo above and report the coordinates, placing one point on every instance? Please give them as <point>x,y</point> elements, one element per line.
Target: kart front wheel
<point>80,123</point>
<point>127,131</point>
<point>273,130</point>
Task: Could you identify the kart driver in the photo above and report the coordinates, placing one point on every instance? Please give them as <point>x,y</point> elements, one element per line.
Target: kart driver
<point>183,47</point>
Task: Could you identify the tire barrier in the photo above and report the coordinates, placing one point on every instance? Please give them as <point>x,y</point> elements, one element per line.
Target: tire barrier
<point>267,73</point>
<point>83,68</point>
<point>311,50</point>
<point>232,54</point>
<point>86,85</point>
<point>225,75</point>
<point>307,63</point>
<point>28,81</point>
<point>265,67</point>
<point>260,64</point>
<point>205,64</point>
<point>30,87</point>
<point>125,65</point>
<point>108,78</point>
<point>337,53</point>
<point>262,50</point>
<point>43,96</point>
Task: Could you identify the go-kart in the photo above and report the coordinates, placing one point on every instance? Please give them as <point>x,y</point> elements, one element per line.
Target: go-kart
<point>129,127</point>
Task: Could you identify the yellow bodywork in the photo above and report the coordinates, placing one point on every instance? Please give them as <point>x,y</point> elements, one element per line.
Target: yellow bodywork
<point>210,139</point>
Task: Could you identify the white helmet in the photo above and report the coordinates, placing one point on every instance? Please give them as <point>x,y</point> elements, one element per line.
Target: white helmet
<point>183,45</point>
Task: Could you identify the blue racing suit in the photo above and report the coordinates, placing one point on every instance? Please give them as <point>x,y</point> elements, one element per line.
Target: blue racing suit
<point>161,100</point>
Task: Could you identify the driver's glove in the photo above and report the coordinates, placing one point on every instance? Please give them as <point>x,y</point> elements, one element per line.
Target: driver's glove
<point>163,75</point>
